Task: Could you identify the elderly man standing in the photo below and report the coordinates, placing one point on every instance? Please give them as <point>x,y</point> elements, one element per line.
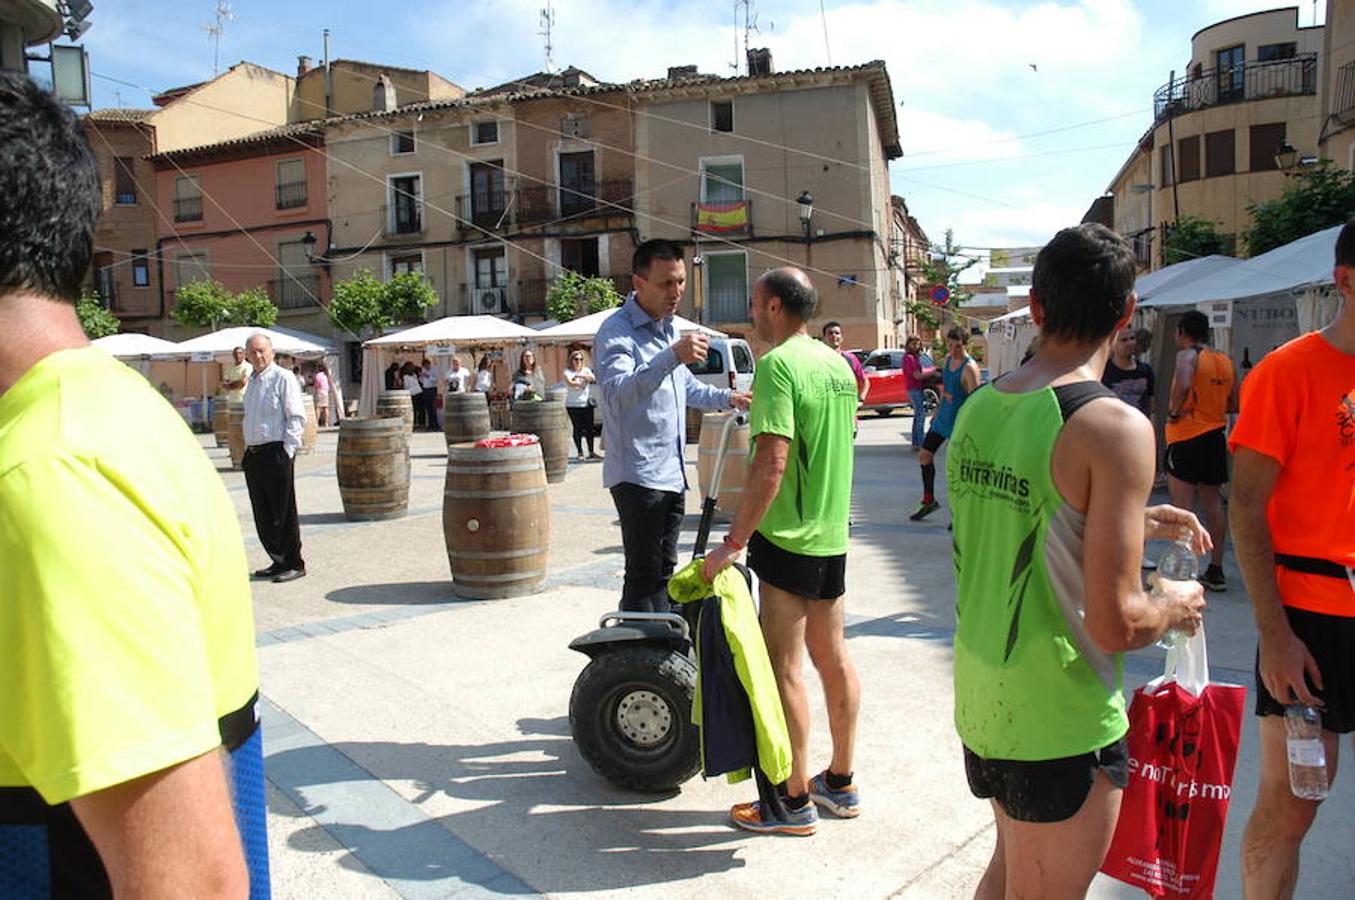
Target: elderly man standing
<point>274,419</point>
<point>645,387</point>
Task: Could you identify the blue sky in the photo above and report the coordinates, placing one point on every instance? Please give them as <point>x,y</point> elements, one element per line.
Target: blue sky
<point>999,151</point>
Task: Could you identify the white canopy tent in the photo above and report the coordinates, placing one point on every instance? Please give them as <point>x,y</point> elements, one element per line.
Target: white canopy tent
<point>138,348</point>
<point>217,346</point>
<point>439,339</point>
<point>585,329</point>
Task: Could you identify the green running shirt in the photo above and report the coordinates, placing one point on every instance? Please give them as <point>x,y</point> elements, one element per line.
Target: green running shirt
<point>1030,684</point>
<point>805,391</point>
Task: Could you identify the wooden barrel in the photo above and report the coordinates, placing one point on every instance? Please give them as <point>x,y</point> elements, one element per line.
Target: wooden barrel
<point>736,462</point>
<point>311,429</point>
<point>496,520</point>
<point>465,417</point>
<point>398,404</point>
<point>221,419</point>
<point>373,467</point>
<point>547,420</point>
<point>235,431</point>
<point>694,424</point>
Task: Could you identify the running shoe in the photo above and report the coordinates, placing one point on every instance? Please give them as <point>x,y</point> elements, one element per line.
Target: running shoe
<point>800,822</point>
<point>925,509</point>
<point>845,804</point>
<point>1213,579</point>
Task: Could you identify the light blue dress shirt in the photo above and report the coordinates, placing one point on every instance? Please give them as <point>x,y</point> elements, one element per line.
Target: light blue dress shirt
<point>644,392</point>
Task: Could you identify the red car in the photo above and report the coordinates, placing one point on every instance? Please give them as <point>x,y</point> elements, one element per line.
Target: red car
<point>884,383</point>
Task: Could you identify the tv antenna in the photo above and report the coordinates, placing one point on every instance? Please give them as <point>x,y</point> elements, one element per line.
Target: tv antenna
<point>215,30</point>
<point>748,10</point>
<point>548,23</point>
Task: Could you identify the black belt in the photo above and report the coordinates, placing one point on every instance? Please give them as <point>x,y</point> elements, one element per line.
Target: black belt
<point>239,726</point>
<point>1312,566</point>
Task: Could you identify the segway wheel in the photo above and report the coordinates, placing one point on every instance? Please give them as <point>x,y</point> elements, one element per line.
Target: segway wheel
<point>631,715</point>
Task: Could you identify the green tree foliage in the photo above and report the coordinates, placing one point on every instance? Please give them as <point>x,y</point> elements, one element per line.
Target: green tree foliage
<point>201,304</point>
<point>572,294</point>
<point>943,266</point>
<point>94,319</point>
<point>364,301</point>
<point>208,304</point>
<point>1191,238</point>
<point>252,307</point>
<point>1312,201</point>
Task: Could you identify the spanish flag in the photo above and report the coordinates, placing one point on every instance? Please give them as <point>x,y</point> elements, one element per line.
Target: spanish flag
<point>722,218</point>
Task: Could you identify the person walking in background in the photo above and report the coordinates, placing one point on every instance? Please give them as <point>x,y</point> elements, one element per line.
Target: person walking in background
<point>959,379</point>
<point>1132,380</point>
<point>579,401</point>
<point>131,761</point>
<point>274,421</point>
<point>1048,476</point>
<point>528,381</point>
<point>1293,516</point>
<point>1203,393</point>
<point>644,388</point>
<point>428,394</point>
<point>321,386</point>
<point>912,384</point>
<point>409,381</point>
<point>793,520</point>
<point>235,375</point>
<point>457,377</point>
<point>832,336</point>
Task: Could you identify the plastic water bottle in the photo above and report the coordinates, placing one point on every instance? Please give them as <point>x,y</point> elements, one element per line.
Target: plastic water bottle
<point>1307,753</point>
<point>1177,564</point>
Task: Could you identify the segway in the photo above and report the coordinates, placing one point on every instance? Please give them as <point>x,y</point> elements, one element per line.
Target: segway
<point>631,709</point>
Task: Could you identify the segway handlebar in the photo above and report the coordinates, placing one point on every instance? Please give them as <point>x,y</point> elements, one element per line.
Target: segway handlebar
<point>672,620</point>
<point>708,505</point>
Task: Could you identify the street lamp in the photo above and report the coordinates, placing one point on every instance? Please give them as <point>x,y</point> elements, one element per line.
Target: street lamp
<point>806,202</point>
<point>1286,157</point>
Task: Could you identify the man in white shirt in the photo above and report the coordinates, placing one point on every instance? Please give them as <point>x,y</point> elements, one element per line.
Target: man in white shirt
<point>457,377</point>
<point>235,375</point>
<point>274,421</point>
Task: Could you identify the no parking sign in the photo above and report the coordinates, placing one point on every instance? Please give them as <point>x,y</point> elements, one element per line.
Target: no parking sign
<point>940,294</point>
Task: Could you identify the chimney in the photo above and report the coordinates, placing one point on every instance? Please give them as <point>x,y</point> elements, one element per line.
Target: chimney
<point>303,65</point>
<point>676,72</point>
<point>759,62</point>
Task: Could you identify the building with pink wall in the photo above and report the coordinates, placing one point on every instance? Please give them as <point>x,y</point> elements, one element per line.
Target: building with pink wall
<point>237,212</point>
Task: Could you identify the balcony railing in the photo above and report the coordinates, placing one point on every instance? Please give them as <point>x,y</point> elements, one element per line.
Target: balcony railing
<point>402,219</point>
<point>531,292</point>
<point>291,195</point>
<point>295,292</point>
<point>547,203</point>
<point>1344,101</point>
<point>188,209</point>
<point>1249,81</point>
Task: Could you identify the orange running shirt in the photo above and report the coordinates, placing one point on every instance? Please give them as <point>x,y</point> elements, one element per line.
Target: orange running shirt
<point>1206,406</point>
<point>1298,407</point>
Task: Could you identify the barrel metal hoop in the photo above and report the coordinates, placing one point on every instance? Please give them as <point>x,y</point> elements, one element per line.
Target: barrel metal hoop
<point>491,495</point>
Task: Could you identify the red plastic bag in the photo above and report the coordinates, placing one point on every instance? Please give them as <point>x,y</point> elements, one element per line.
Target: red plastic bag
<point>1183,737</point>
<point>512,440</point>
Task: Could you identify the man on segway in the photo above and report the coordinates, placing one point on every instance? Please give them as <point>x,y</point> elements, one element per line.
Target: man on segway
<point>645,387</point>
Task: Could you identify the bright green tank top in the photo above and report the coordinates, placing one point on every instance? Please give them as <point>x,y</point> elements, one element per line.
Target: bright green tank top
<point>1029,682</point>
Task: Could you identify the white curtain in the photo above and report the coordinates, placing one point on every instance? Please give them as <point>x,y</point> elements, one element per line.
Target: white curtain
<point>373,380</point>
<point>1317,308</point>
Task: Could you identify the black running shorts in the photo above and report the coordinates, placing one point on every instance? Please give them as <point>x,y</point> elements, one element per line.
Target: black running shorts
<point>814,577</point>
<point>1050,790</point>
<point>1201,460</point>
<point>1330,640</point>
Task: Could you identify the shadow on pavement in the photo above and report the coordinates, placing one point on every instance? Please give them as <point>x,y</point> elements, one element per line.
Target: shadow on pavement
<point>401,593</point>
<point>535,805</point>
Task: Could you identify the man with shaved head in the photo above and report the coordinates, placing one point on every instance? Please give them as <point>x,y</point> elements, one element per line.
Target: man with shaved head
<point>274,420</point>
<point>793,519</point>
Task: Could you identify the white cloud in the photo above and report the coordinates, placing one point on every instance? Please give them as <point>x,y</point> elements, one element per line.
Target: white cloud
<point>931,138</point>
<point>1030,226</point>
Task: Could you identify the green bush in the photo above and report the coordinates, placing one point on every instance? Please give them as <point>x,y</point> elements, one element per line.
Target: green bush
<point>572,295</point>
<point>364,301</point>
<point>94,319</point>
<point>1312,201</point>
<point>1191,238</point>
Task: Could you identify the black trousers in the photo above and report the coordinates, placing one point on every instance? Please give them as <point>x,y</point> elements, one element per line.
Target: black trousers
<point>581,417</point>
<point>430,408</point>
<point>272,495</point>
<point>650,522</point>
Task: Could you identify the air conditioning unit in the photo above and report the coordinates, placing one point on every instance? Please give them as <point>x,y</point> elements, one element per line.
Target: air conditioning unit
<point>490,300</point>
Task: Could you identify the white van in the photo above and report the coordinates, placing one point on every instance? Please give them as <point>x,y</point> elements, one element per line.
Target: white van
<point>728,365</point>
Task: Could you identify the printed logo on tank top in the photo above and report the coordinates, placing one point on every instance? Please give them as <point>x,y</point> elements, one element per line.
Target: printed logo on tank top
<point>984,479</point>
<point>825,384</point>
